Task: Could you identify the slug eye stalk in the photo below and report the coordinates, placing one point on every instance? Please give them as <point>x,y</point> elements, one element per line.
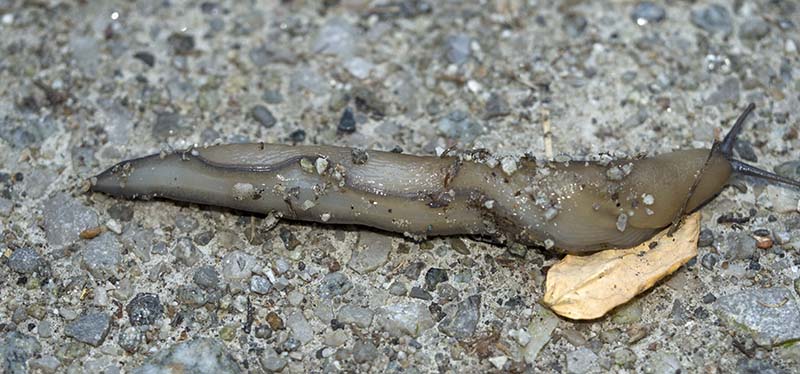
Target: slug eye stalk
<point>725,148</point>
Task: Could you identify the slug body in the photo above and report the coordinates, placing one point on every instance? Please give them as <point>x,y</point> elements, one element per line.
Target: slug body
<point>575,206</point>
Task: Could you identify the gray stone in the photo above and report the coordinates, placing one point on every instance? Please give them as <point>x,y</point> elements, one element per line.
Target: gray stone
<point>709,260</point>
<point>206,277</point>
<point>260,285</point>
<point>45,364</point>
<point>358,67</point>
<point>462,322</point>
<point>647,12</point>
<point>665,363</point>
<point>364,352</point>
<point>411,318</point>
<point>770,315</point>
<point>144,309</point>
<point>714,18</point>
<point>263,116</point>
<point>457,48</point>
<point>90,327</point>
<point>398,288</point>
<point>271,361</point>
<point>185,223</point>
<point>419,293</point>
<point>540,329</point>
<point>181,43</point>
<point>15,350</point>
<point>301,329</point>
<point>753,29</point>
<point>237,265</point>
<point>574,24</point>
<point>6,206</point>
<point>726,93</point>
<point>45,329</point>
<point>25,260</point>
<point>102,256</point>
<point>582,360</point>
<point>351,314</point>
<point>191,295</point>
<point>458,125</point>
<point>131,339</point>
<point>65,218</point>
<point>434,276</point>
<point>496,107</point>
<point>372,252</point>
<point>198,356</point>
<point>790,169</point>
<point>739,246</point>
<point>337,37</point>
<point>334,284</point>
<point>185,251</point>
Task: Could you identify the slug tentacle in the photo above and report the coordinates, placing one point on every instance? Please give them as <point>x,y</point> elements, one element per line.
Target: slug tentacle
<point>574,206</point>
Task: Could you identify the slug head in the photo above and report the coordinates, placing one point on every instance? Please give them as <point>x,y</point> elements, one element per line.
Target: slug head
<point>685,180</point>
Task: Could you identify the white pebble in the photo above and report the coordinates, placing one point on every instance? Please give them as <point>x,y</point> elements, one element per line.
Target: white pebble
<point>325,217</point>
<point>321,165</point>
<point>509,165</point>
<point>114,226</point>
<point>648,199</point>
<point>489,204</point>
<point>498,361</point>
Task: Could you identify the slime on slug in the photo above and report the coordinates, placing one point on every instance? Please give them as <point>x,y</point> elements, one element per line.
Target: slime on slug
<point>572,206</point>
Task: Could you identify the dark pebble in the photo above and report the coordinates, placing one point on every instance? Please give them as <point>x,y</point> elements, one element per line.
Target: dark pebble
<point>144,309</point>
<point>574,24</point>
<point>146,57</point>
<point>754,265</point>
<point>745,150</point>
<point>496,107</point>
<point>709,260</point>
<point>709,298</point>
<point>208,7</point>
<point>762,232</point>
<point>24,260</point>
<point>206,277</point>
<point>706,238</point>
<point>700,313</point>
<point>263,116</point>
<point>347,124</point>
<point>204,237</point>
<point>360,156</point>
<point>181,43</point>
<point>419,293</point>
<point>289,239</point>
<point>413,270</point>
<point>433,277</point>
<point>733,218</point>
<point>297,136</point>
<point>122,212</point>
<point>713,18</point>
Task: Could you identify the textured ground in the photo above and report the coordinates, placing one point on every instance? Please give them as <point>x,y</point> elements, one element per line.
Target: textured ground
<point>85,84</point>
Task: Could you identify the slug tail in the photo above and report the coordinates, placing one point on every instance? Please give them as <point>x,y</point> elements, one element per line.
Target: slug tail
<point>745,169</point>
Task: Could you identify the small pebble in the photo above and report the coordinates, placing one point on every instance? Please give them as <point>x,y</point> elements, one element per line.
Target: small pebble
<point>263,116</point>
<point>713,18</point>
<point>144,309</point>
<point>647,12</point>
<point>347,123</point>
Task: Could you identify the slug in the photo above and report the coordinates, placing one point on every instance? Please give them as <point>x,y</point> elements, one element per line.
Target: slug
<point>571,206</point>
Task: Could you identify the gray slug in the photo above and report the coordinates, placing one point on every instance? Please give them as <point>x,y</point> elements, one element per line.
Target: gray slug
<point>573,206</point>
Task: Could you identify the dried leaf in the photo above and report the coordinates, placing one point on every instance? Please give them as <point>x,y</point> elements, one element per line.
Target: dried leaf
<point>587,287</point>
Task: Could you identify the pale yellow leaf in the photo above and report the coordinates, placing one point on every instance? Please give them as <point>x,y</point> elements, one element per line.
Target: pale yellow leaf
<point>587,287</point>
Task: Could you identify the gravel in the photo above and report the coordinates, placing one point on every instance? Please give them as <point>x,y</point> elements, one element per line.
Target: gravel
<point>417,77</point>
<point>91,327</point>
<point>193,356</point>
